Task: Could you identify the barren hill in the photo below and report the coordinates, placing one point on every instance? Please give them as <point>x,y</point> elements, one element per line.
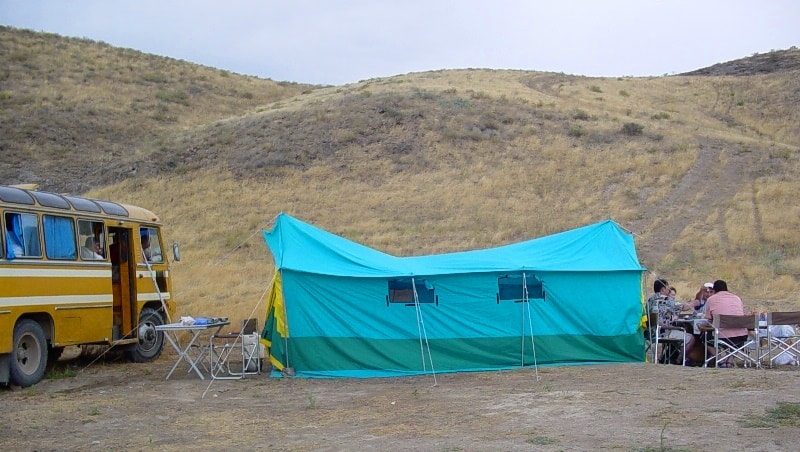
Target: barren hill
<point>767,63</point>
<point>702,167</point>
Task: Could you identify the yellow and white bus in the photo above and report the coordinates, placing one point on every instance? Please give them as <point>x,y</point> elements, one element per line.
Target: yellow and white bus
<point>78,271</point>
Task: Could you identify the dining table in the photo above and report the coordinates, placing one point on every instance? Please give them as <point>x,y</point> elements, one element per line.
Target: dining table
<point>699,327</point>
<point>190,351</point>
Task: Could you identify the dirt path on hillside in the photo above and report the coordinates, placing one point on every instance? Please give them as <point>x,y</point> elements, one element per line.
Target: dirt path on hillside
<point>712,180</point>
<point>123,406</point>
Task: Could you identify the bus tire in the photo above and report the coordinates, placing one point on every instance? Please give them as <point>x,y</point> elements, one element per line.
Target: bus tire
<point>151,341</point>
<point>29,357</point>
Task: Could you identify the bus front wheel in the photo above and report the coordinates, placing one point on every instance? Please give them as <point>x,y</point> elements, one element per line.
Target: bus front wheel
<point>29,358</point>
<point>151,341</point>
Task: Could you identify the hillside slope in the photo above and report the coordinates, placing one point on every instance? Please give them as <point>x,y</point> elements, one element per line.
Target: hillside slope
<point>702,169</point>
<point>73,109</point>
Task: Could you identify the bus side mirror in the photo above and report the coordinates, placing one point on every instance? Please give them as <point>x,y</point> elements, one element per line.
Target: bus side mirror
<point>176,252</point>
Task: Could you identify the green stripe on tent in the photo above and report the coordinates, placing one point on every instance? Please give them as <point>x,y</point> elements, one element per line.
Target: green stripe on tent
<point>362,357</point>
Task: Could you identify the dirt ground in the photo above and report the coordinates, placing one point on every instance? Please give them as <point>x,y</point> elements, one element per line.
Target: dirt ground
<point>119,405</point>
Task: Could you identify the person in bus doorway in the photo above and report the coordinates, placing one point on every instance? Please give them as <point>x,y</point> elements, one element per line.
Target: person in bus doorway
<point>91,250</point>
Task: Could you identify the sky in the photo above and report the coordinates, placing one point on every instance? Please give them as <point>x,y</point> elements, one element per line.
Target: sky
<point>338,42</point>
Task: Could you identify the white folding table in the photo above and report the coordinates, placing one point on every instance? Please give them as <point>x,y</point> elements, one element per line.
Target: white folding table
<point>192,353</point>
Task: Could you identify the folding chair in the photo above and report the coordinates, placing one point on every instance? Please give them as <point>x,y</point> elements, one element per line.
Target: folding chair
<point>741,353</point>
<point>234,355</point>
<point>783,338</point>
<point>669,345</point>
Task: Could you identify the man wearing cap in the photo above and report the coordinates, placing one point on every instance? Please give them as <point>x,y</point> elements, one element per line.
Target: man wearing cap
<point>699,302</point>
<point>722,302</point>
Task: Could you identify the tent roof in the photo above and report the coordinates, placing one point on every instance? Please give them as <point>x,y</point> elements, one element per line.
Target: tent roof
<point>299,246</point>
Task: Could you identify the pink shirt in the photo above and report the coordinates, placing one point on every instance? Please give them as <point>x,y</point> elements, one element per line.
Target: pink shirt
<point>725,303</point>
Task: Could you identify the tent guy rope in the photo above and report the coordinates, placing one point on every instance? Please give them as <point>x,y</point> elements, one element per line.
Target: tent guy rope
<point>422,332</point>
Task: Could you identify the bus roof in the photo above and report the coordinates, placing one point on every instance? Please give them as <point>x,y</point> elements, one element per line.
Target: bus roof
<point>27,196</point>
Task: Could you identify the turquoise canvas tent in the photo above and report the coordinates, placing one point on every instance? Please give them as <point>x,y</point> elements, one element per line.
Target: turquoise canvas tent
<point>340,309</point>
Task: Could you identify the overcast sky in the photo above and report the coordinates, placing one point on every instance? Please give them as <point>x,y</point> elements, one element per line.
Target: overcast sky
<point>338,42</point>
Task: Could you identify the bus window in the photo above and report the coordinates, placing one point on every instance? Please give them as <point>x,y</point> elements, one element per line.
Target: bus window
<point>92,238</point>
<point>151,244</point>
<point>22,235</point>
<point>59,237</point>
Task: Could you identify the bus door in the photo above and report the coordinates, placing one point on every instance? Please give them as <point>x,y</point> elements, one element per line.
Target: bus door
<point>123,277</point>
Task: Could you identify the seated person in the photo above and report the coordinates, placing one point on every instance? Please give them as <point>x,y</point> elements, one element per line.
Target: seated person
<point>668,309</point>
<point>722,302</point>
<point>152,254</point>
<point>662,303</point>
<point>91,249</point>
<point>699,302</point>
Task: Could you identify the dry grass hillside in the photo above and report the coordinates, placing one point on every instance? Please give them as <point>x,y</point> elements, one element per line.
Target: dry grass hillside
<point>73,108</point>
<point>702,168</point>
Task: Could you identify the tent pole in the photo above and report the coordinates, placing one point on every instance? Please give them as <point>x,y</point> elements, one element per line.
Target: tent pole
<point>422,333</point>
<point>530,324</point>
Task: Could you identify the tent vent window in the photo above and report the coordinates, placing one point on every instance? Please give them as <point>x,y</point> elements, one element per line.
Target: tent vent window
<point>509,288</point>
<point>401,291</point>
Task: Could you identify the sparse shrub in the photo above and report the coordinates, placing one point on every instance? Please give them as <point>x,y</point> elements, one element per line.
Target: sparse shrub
<point>174,96</point>
<point>576,132</point>
<point>60,371</point>
<point>480,95</point>
<point>661,115</point>
<point>391,112</point>
<point>19,56</point>
<point>595,89</point>
<point>423,94</point>
<point>632,129</point>
<point>155,78</point>
<point>580,115</point>
<point>600,138</point>
<point>785,414</point>
<point>623,93</point>
<point>488,124</point>
<point>541,441</point>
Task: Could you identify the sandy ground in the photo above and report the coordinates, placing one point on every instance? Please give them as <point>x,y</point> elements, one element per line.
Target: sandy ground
<point>123,406</point>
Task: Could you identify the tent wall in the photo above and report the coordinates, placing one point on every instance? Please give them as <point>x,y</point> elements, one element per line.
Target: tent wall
<point>343,327</point>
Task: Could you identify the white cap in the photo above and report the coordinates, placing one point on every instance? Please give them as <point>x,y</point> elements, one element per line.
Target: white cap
<point>709,285</point>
